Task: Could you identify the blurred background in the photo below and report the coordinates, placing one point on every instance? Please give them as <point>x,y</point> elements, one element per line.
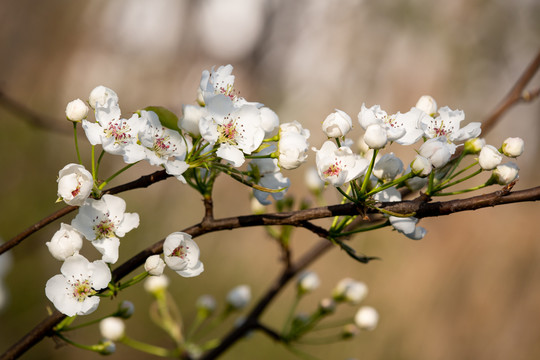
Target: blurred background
<point>470,289</point>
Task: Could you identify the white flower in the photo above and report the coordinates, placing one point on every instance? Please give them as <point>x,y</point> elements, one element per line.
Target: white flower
<point>103,221</point>
<point>405,129</point>
<point>506,173</point>
<point>163,146</point>
<point>239,297</point>
<point>307,282</point>
<point>388,167</point>
<point>268,176</point>
<point>437,150</point>
<point>350,290</point>
<point>155,265</point>
<point>71,292</point>
<point>513,147</point>
<point>214,82</point>
<point>489,157</point>
<point>191,115</point>
<point>100,95</point>
<point>407,226</point>
<point>337,124</point>
<point>447,124</point>
<point>65,242</point>
<point>421,166</point>
<point>292,145</point>
<point>75,184</point>
<point>416,183</point>
<point>112,328</point>
<point>366,318</point>
<point>269,120</point>
<point>375,136</point>
<point>117,136</point>
<point>237,130</point>
<point>182,254</point>
<point>156,284</point>
<point>339,165</point>
<point>427,104</point>
<point>76,110</point>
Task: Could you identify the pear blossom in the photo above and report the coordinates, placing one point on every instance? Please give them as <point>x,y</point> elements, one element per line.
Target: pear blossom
<point>155,265</point>
<point>162,146</point>
<point>489,157</point>
<point>405,129</point>
<point>421,166</point>
<point>404,225</point>
<point>268,176</point>
<point>206,303</point>
<point>72,291</point>
<point>350,290</point>
<point>339,165</point>
<point>75,184</point>
<point>101,95</point>
<point>65,242</point>
<point>388,167</point>
<point>214,82</point>
<point>337,124</point>
<point>103,221</point>
<point>191,115</point>
<point>292,145</point>
<point>269,120</point>
<point>117,136</point>
<point>307,282</point>
<point>327,305</point>
<point>235,130</point>
<point>437,150</point>
<point>182,254</point>
<point>505,173</point>
<point>427,104</point>
<point>239,297</point>
<point>448,124</point>
<point>513,147</point>
<point>76,110</point>
<point>366,318</point>
<point>112,328</point>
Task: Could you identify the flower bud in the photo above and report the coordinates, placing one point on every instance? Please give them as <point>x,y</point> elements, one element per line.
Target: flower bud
<point>474,145</point>
<point>292,145</point>
<point>349,331</point>
<point>269,119</point>
<point>256,207</point>
<point>307,282</point>
<point>125,309</point>
<point>337,124</point>
<point>105,348</point>
<point>327,306</point>
<point>156,284</point>
<point>350,290</point>
<point>427,104</point>
<point>421,166</point>
<point>239,297</point>
<point>513,147</point>
<point>388,167</point>
<point>505,173</point>
<point>112,328</point>
<point>437,151</point>
<point>154,265</point>
<point>366,318</point>
<point>100,95</point>
<point>375,136</point>
<point>489,157</point>
<point>76,110</point>
<point>206,304</point>
<point>75,184</point>
<point>65,242</point>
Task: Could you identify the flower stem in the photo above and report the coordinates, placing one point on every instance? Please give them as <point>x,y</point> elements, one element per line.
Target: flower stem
<point>368,172</point>
<point>102,185</point>
<point>290,315</point>
<point>149,349</point>
<point>76,142</point>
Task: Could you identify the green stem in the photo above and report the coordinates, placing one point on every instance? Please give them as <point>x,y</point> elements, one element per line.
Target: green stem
<point>76,142</point>
<point>463,191</point>
<point>99,160</point>
<point>457,174</point>
<point>364,229</point>
<point>368,172</point>
<point>390,184</point>
<point>94,175</point>
<point>96,348</point>
<point>102,185</point>
<point>149,349</point>
<point>290,315</point>
<point>133,281</point>
<point>458,181</point>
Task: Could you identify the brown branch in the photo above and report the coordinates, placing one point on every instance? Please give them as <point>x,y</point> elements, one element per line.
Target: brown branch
<point>514,96</point>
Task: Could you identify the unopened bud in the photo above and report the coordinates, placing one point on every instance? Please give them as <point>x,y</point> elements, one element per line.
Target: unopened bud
<point>76,110</point>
